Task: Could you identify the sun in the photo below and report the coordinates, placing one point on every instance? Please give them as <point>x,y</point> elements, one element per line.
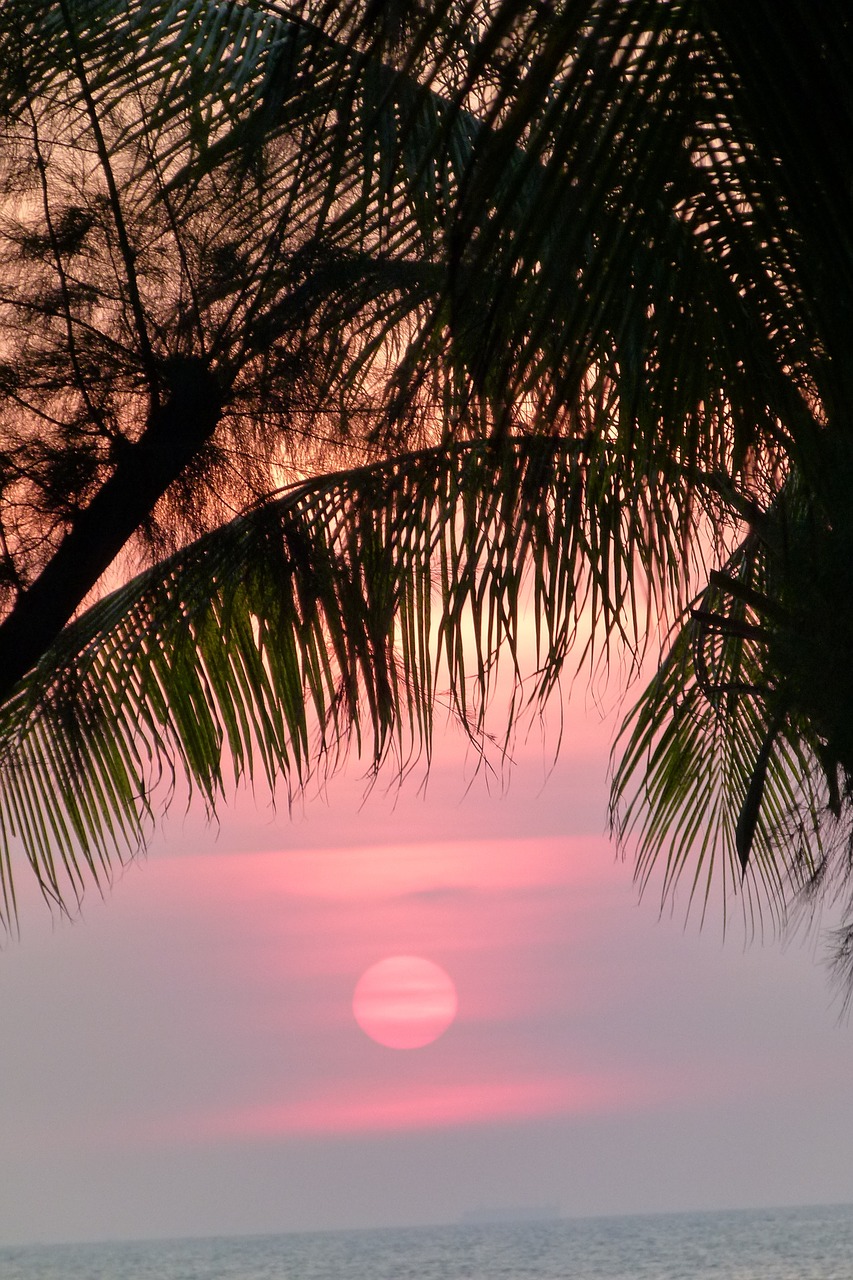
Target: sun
<point>404,1002</point>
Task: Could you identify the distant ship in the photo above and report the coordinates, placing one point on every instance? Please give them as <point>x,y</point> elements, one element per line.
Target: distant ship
<point>511,1213</point>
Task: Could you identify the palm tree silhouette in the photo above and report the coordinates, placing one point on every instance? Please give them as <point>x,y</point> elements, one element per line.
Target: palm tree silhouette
<point>737,759</point>
<point>352,320</point>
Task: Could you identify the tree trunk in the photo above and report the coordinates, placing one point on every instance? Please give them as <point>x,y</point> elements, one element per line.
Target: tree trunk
<point>175,432</point>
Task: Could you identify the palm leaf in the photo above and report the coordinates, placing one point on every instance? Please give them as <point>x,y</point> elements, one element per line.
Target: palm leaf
<point>330,615</point>
<point>593,232</point>
<point>723,777</point>
<point>554,214</point>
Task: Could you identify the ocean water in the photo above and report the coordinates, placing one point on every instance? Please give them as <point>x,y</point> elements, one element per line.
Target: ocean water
<point>772,1244</point>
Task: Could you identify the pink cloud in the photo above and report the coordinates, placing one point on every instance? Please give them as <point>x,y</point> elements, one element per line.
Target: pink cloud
<point>424,1107</point>
<point>391,871</point>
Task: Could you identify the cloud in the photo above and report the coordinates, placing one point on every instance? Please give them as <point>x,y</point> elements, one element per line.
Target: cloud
<point>387,1110</point>
<point>432,869</point>
<point>441,894</point>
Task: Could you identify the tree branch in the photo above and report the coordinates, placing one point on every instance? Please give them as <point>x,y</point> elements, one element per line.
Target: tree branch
<point>176,431</point>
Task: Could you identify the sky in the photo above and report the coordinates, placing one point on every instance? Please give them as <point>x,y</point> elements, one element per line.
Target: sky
<point>183,1059</point>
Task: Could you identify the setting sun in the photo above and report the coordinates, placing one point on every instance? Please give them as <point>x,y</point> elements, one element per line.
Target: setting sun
<point>404,1002</point>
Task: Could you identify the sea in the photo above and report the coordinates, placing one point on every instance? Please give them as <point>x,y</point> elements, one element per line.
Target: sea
<point>813,1243</point>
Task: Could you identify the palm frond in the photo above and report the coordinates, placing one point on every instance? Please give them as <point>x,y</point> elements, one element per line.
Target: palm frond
<point>595,241</point>
<point>722,775</point>
<point>589,208</point>
<point>329,616</point>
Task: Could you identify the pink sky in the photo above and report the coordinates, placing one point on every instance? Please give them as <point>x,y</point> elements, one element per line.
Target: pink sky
<point>185,1059</point>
